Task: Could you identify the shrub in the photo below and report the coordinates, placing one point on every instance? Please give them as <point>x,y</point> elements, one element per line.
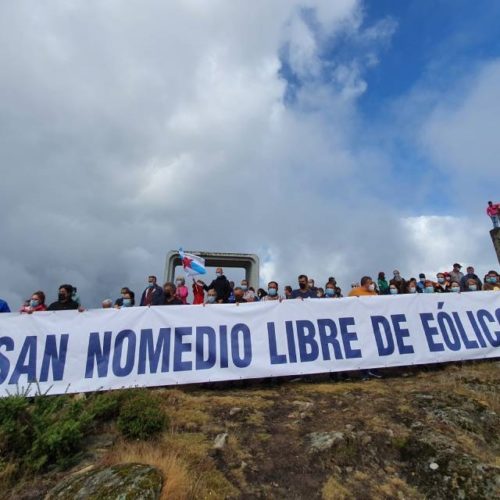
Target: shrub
<point>43,431</point>
<point>16,431</point>
<point>141,416</point>
<point>105,406</point>
<point>40,433</point>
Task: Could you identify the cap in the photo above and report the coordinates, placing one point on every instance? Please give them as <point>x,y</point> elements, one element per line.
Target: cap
<point>457,265</point>
<point>421,275</point>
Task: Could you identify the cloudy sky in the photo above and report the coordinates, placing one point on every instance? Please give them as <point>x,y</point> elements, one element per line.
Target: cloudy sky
<point>329,137</point>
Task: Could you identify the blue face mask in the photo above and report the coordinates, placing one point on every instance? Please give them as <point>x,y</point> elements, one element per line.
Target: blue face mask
<point>150,285</point>
<point>244,287</point>
<point>329,292</point>
<point>472,288</point>
<point>429,289</point>
<point>127,303</point>
<point>440,280</point>
<point>272,292</point>
<point>218,274</point>
<point>393,291</point>
<point>34,303</point>
<point>211,299</point>
<point>491,280</point>
<point>455,289</point>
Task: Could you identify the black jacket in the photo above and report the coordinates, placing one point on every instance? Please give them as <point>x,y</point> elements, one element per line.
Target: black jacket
<point>221,286</point>
<point>63,306</point>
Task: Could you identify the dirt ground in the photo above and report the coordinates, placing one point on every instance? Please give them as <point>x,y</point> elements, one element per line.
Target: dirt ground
<point>428,432</point>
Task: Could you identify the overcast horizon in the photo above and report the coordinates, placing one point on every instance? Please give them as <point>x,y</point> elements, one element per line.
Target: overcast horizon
<point>329,138</point>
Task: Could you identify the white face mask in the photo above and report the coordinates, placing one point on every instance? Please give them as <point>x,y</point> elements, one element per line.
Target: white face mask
<point>371,287</point>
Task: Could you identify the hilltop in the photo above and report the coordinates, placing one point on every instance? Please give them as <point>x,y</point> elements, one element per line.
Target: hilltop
<point>424,433</point>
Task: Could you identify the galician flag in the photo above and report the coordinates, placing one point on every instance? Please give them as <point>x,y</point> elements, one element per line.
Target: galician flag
<point>192,264</point>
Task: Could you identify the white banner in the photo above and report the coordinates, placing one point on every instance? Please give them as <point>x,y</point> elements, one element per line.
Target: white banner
<point>68,351</point>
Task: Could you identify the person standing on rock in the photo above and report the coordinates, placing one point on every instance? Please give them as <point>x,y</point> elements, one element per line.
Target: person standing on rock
<point>493,211</point>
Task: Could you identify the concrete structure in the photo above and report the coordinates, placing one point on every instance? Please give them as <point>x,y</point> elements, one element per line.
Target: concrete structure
<point>248,261</point>
<point>495,238</point>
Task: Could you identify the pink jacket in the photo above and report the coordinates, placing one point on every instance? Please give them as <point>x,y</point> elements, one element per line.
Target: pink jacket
<point>182,293</point>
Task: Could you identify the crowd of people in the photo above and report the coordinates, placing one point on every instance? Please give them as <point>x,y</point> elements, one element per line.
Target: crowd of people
<point>221,290</point>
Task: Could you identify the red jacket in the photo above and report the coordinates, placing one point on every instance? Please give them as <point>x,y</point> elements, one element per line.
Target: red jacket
<point>199,294</point>
<point>29,309</point>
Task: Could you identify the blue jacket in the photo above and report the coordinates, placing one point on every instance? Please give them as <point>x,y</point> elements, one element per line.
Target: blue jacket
<point>157,298</point>
<point>4,307</point>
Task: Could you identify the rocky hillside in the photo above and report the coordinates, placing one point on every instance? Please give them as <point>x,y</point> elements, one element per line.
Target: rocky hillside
<point>427,433</point>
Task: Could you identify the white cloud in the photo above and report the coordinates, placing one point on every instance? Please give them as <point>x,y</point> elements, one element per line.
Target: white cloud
<point>461,135</point>
<point>436,246</point>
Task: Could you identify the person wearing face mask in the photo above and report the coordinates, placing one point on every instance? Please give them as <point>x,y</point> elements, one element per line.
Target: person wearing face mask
<point>64,301</point>
<point>320,293</point>
<point>411,287</point>
<point>36,303</point>
<point>330,291</point>
<point>303,292</point>
<point>128,300</point>
<point>221,286</point>
<point>470,275</point>
<point>181,289</point>
<point>272,292</point>
<point>123,291</point>
<point>211,297</point>
<point>429,287</point>
<point>398,281</point>
<point>393,290</point>
<point>491,282</point>
<point>152,294</point>
<point>455,287</point>
<point>248,293</point>
<point>441,285</point>
<point>366,288</point>
<point>471,285</point>
<point>170,297</point>
<point>421,283</point>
